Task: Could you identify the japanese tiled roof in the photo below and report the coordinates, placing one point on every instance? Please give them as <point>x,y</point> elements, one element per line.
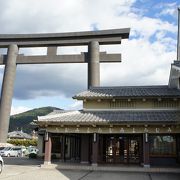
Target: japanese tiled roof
<point>113,116</point>
<point>128,91</point>
<point>19,134</point>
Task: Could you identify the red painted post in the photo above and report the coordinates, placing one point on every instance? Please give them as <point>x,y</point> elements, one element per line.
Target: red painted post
<point>48,146</point>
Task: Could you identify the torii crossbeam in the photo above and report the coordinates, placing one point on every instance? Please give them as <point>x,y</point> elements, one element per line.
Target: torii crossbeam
<point>52,40</point>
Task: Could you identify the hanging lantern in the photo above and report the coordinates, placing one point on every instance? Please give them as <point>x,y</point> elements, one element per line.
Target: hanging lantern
<point>46,136</point>
<point>94,137</point>
<point>146,137</point>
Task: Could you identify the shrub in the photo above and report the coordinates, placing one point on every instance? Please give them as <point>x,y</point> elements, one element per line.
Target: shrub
<point>22,142</point>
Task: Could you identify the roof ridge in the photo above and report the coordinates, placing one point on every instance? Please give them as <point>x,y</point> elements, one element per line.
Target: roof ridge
<point>131,110</point>
<point>129,91</point>
<point>58,114</point>
<point>140,86</point>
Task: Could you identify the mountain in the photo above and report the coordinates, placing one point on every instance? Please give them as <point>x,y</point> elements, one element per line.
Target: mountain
<point>23,120</point>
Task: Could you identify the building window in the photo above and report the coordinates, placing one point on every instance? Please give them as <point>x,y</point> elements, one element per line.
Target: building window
<point>122,104</point>
<point>166,104</point>
<point>162,145</point>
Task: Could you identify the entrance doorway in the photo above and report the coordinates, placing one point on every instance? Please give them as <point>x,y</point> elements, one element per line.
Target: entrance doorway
<point>122,148</point>
<point>66,146</point>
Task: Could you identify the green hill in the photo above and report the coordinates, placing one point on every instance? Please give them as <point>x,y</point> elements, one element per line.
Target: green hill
<point>23,120</point>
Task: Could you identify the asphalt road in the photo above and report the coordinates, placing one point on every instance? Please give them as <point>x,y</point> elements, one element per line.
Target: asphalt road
<point>25,169</point>
<point>24,161</point>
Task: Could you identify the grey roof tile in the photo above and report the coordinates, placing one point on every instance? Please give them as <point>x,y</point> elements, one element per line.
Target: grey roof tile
<point>19,134</point>
<point>129,91</point>
<point>114,116</point>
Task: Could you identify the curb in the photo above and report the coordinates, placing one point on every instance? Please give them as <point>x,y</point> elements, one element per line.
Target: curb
<point>111,169</point>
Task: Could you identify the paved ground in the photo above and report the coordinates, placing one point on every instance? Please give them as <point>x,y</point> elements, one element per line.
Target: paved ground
<point>32,171</point>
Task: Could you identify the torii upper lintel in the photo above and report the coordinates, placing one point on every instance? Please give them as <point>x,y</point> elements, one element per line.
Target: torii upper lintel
<point>104,37</point>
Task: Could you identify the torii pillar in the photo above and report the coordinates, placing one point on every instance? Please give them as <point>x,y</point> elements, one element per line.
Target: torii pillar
<point>93,64</point>
<point>7,91</point>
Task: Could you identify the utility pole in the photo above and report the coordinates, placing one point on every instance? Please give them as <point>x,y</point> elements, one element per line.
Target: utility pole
<point>178,37</point>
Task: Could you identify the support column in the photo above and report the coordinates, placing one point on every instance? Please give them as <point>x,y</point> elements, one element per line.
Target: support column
<point>7,91</point>
<point>48,147</point>
<point>93,64</point>
<point>63,139</point>
<point>40,145</point>
<point>101,153</point>
<point>146,161</point>
<point>178,147</point>
<point>84,148</point>
<point>95,149</point>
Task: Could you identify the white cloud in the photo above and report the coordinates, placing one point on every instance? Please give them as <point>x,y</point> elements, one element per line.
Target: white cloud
<point>167,9</point>
<point>141,60</point>
<point>146,57</point>
<point>18,109</point>
<point>77,105</point>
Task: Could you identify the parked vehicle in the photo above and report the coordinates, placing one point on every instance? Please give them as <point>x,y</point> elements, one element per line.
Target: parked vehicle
<point>22,150</point>
<point>1,164</point>
<point>19,150</point>
<point>31,149</point>
<point>1,148</point>
<point>11,151</point>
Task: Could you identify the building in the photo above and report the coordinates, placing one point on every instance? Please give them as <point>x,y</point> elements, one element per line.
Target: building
<point>125,124</point>
<point>117,125</point>
<point>19,135</point>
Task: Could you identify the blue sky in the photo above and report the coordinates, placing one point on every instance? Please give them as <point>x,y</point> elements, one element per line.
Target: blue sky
<point>146,56</point>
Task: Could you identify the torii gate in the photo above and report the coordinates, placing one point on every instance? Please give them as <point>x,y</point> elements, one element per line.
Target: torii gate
<point>52,40</point>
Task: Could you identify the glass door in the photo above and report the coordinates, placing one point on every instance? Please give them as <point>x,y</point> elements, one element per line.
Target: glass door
<point>134,149</point>
<point>116,149</point>
<point>122,149</point>
<point>109,149</point>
